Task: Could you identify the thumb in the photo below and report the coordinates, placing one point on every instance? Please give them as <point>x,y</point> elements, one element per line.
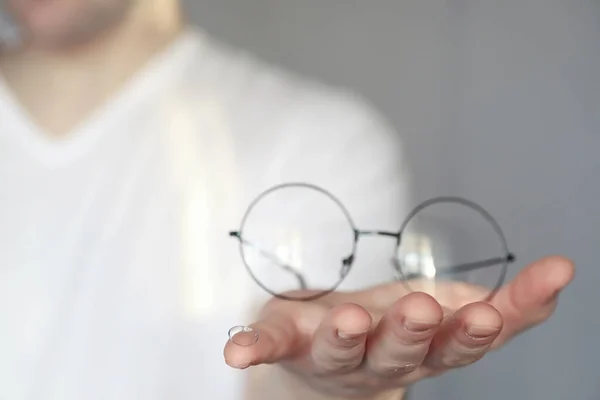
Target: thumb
<point>532,296</point>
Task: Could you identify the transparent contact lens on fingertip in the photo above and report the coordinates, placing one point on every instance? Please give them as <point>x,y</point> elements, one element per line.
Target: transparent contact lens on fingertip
<point>243,335</point>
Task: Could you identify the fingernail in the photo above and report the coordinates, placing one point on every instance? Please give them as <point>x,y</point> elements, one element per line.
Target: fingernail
<point>349,336</point>
<point>406,368</point>
<point>480,332</point>
<point>415,326</point>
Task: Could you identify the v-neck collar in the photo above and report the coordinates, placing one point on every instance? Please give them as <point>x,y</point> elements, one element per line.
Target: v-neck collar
<point>155,74</point>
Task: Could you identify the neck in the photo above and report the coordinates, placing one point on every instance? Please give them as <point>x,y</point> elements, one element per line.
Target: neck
<point>60,88</point>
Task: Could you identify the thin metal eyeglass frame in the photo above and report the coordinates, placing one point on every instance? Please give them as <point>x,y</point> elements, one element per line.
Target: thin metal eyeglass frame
<point>348,261</point>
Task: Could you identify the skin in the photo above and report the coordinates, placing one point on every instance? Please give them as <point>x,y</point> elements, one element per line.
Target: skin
<point>374,343</point>
<point>55,26</point>
<point>366,345</point>
<point>76,54</point>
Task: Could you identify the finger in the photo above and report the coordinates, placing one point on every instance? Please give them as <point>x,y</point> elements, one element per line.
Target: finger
<point>464,337</point>
<point>277,338</point>
<point>532,296</point>
<point>339,342</point>
<point>401,339</point>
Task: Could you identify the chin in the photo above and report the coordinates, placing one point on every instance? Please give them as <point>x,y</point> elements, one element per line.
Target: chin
<point>42,17</point>
<point>57,23</point>
<point>48,28</point>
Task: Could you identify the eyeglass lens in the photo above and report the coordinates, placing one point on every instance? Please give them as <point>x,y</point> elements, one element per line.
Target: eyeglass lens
<point>297,240</point>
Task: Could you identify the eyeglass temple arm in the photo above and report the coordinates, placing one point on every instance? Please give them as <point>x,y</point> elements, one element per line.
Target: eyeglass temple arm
<point>274,259</point>
<point>510,258</point>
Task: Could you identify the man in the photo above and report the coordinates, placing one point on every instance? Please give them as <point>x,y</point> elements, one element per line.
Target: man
<point>129,146</point>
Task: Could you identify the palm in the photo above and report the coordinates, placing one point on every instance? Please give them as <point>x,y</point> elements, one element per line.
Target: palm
<point>391,338</point>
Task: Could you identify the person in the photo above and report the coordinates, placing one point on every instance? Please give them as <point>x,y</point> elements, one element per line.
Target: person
<point>130,145</point>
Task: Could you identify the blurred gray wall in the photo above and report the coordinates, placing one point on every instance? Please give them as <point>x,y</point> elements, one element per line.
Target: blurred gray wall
<point>497,101</point>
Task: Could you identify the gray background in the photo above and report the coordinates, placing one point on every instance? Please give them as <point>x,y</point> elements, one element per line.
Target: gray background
<point>497,101</point>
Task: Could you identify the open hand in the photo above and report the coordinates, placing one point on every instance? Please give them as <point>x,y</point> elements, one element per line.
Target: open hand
<point>359,344</point>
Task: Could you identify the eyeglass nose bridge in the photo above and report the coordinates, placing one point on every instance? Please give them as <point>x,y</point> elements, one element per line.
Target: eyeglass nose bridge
<point>348,261</point>
<point>395,235</point>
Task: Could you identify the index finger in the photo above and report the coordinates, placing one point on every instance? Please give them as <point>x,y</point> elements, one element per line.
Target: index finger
<point>277,339</point>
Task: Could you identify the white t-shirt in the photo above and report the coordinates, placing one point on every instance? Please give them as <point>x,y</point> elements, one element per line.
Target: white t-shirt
<point>118,279</point>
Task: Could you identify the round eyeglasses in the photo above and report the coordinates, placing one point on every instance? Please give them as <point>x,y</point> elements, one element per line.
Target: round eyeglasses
<point>299,242</point>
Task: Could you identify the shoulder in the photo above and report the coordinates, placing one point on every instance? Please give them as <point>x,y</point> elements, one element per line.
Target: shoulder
<point>255,92</point>
<point>289,127</point>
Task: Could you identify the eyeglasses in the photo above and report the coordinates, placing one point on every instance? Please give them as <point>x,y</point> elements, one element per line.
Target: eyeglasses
<point>298,242</point>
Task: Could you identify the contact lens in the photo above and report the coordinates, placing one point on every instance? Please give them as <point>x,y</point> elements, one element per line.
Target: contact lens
<point>243,335</point>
